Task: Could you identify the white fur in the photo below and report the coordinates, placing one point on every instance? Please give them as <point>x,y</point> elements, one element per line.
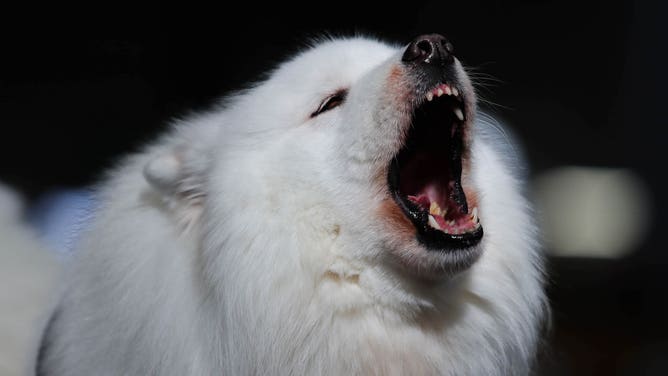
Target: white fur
<point>247,241</point>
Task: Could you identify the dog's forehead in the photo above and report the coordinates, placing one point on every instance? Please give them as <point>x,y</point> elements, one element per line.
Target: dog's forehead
<point>335,62</point>
<point>294,90</point>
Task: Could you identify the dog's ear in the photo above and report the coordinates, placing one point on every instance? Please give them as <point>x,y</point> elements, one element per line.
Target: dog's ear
<point>178,176</point>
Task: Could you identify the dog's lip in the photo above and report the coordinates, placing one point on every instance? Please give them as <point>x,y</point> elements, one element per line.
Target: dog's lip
<point>461,229</point>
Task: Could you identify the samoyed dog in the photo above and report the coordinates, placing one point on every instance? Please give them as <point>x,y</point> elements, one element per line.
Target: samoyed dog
<point>346,216</point>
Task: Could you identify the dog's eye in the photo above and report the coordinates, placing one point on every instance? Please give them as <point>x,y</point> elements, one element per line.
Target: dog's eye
<point>330,102</point>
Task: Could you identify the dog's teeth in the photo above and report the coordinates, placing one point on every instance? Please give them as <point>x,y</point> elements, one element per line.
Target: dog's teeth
<point>451,222</point>
<point>433,223</point>
<point>447,90</point>
<point>459,114</point>
<point>439,92</point>
<point>430,96</point>
<point>474,215</point>
<point>455,92</point>
<point>434,209</point>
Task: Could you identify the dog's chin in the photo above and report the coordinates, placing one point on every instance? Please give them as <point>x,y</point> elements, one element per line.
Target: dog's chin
<point>426,265</point>
<point>408,253</point>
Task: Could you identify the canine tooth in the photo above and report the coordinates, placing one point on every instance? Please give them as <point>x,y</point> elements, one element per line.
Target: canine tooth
<point>455,92</point>
<point>439,92</point>
<point>434,209</point>
<point>459,114</point>
<point>451,222</point>
<point>447,90</point>
<point>433,223</point>
<point>430,96</point>
<point>474,215</point>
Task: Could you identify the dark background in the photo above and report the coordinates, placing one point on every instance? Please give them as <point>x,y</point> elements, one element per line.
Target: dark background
<point>580,84</point>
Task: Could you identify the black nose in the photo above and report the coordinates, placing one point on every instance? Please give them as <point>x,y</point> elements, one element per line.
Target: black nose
<point>429,49</point>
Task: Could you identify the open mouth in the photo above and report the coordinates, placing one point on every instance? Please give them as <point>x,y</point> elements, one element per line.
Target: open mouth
<point>425,177</point>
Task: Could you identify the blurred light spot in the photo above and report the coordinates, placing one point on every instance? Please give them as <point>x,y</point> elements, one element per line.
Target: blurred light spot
<point>60,216</point>
<point>592,212</point>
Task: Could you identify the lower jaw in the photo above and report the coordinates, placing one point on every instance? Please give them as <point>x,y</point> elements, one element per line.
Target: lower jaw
<point>432,239</point>
<point>424,264</point>
<point>437,241</point>
<point>409,252</point>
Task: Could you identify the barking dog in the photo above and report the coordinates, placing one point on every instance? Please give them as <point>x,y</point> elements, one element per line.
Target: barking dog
<point>349,215</point>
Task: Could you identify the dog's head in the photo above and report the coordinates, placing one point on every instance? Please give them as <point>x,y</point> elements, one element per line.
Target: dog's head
<point>353,147</point>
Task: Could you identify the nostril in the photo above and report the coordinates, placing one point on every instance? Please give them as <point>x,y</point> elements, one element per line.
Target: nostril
<point>425,47</point>
<point>420,50</point>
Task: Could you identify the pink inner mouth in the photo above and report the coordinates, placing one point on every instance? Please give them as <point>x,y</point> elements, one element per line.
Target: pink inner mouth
<point>448,217</point>
<point>427,182</point>
<point>428,171</point>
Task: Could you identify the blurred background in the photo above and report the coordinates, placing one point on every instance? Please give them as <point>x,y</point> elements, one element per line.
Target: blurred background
<point>580,84</point>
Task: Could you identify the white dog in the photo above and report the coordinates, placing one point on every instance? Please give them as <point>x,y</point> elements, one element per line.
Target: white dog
<point>326,221</point>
